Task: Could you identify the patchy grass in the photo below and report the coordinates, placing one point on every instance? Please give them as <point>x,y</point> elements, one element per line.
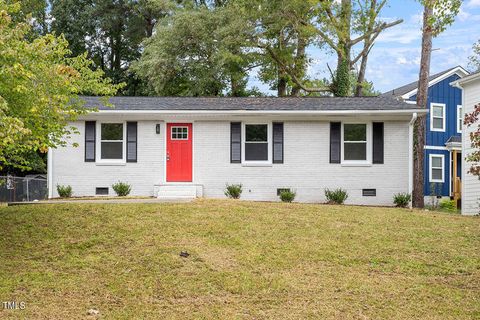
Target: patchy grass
<point>247,261</point>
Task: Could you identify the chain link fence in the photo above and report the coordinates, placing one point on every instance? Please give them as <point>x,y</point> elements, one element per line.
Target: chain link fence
<point>17,189</point>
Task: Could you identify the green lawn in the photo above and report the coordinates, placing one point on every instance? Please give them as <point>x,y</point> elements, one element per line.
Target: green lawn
<point>248,261</point>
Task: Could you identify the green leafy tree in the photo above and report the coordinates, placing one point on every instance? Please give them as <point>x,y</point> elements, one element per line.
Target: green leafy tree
<point>474,59</point>
<point>39,87</point>
<point>36,13</point>
<point>110,31</point>
<point>284,30</point>
<point>278,30</point>
<point>344,24</point>
<point>198,51</point>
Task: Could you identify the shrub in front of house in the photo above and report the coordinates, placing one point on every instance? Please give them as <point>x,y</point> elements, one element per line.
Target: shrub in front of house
<point>64,191</point>
<point>233,191</point>
<point>122,189</point>
<point>402,200</point>
<point>448,205</point>
<point>337,196</point>
<point>287,195</point>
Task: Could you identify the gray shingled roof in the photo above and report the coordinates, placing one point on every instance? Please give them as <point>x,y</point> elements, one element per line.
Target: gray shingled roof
<point>400,91</point>
<point>259,104</point>
<point>454,139</point>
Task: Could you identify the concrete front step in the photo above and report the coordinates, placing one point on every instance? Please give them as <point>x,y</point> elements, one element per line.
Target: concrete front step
<point>177,191</point>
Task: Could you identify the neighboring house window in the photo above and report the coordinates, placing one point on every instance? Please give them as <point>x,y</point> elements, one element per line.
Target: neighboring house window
<point>459,119</point>
<point>257,142</point>
<point>437,163</point>
<point>111,141</point>
<point>437,117</point>
<point>356,142</point>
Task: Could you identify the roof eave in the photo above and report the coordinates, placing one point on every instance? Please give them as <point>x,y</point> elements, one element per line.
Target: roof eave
<point>461,82</point>
<point>264,112</point>
<point>458,70</point>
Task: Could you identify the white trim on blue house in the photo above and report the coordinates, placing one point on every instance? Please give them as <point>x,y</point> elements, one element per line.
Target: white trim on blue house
<point>435,148</point>
<point>432,116</point>
<point>430,158</point>
<point>458,70</point>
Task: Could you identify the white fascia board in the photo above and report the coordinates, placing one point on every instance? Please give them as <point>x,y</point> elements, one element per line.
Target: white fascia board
<point>258,112</point>
<point>458,70</point>
<point>460,83</point>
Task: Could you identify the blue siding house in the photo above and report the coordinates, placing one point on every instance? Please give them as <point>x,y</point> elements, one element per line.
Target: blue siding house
<point>443,149</point>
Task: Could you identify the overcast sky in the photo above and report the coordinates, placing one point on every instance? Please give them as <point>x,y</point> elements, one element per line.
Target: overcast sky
<point>395,58</point>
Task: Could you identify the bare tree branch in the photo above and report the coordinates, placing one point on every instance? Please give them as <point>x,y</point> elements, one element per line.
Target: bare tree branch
<point>378,29</point>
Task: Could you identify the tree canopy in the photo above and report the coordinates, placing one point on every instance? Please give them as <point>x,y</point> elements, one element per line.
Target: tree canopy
<point>40,82</point>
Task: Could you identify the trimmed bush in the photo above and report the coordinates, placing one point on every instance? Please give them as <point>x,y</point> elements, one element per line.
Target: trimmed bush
<point>448,205</point>
<point>64,191</point>
<point>337,196</point>
<point>233,191</point>
<point>287,195</point>
<point>122,189</point>
<point>402,199</point>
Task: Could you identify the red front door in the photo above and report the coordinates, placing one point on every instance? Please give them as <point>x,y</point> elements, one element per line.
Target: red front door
<point>179,152</point>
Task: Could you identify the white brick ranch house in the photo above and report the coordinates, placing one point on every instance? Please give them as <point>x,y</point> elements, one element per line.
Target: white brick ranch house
<point>192,147</point>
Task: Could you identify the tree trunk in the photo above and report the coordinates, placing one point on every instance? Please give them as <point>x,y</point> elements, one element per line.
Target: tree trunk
<point>361,76</point>
<point>343,53</point>
<point>422,96</point>
<point>149,25</point>
<point>300,58</point>
<point>282,85</point>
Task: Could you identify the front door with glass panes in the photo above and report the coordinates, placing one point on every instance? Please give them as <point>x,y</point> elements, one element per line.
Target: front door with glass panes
<point>179,152</point>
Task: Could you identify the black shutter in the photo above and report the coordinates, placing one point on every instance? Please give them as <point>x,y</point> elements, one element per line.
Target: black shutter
<point>131,142</point>
<point>335,142</point>
<point>89,141</point>
<point>235,142</point>
<point>277,142</point>
<point>378,142</point>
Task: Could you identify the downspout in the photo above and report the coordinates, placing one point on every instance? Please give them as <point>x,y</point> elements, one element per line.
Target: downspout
<point>410,155</point>
<point>50,173</point>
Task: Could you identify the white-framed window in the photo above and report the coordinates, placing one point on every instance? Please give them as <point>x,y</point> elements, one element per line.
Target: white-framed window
<point>179,133</point>
<point>356,143</point>
<point>111,138</point>
<point>437,168</point>
<point>437,117</point>
<point>459,119</point>
<point>257,143</point>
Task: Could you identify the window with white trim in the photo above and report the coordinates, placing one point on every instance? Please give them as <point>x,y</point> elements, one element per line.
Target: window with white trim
<point>437,117</point>
<point>112,141</point>
<point>355,142</point>
<point>459,119</point>
<point>257,142</point>
<point>437,165</point>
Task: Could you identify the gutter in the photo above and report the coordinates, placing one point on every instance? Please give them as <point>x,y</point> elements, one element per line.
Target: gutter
<point>261,112</point>
<point>410,154</point>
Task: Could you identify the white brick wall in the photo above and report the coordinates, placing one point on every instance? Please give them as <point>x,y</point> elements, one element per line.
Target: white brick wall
<point>69,166</point>
<point>470,183</point>
<point>306,166</point>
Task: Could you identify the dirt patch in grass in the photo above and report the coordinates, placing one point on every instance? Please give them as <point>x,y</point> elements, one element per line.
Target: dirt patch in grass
<point>246,260</point>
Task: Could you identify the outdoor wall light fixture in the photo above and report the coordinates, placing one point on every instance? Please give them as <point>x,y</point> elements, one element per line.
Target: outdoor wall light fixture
<point>157,128</point>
